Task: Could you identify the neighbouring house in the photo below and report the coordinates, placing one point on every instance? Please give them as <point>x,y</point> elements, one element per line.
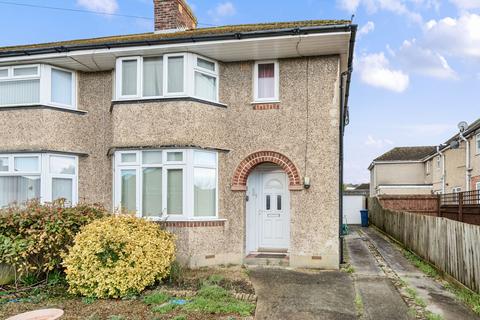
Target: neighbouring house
<point>401,171</point>
<point>229,136</point>
<point>355,198</point>
<point>453,166</point>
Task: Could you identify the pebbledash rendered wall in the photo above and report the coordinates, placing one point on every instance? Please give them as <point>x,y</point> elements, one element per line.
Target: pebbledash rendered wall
<point>236,131</point>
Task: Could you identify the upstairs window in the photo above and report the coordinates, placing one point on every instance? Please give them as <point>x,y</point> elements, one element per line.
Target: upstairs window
<point>170,75</point>
<point>477,140</point>
<point>37,84</point>
<point>266,81</point>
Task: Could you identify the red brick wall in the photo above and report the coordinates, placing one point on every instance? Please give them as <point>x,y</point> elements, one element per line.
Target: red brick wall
<point>422,204</point>
<point>173,14</point>
<point>474,181</point>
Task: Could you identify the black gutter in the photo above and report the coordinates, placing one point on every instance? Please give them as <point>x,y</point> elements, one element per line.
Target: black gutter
<point>193,39</point>
<point>343,118</point>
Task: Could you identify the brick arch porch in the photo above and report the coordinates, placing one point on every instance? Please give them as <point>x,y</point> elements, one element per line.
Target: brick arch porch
<point>239,181</point>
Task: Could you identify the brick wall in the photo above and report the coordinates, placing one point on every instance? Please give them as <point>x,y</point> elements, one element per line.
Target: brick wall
<point>173,14</point>
<point>422,204</point>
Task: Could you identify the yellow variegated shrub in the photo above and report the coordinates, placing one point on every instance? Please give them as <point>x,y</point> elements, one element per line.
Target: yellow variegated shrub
<point>117,256</point>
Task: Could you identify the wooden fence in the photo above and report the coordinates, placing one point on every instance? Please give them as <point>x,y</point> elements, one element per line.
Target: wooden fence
<point>452,246</point>
<point>422,204</point>
<point>463,206</point>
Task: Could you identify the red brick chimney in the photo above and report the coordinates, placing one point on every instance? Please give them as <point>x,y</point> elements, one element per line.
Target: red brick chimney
<point>173,15</point>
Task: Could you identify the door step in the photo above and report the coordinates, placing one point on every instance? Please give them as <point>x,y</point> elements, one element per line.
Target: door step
<point>267,259</point>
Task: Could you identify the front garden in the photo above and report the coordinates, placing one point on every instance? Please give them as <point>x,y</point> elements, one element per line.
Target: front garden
<point>94,265</point>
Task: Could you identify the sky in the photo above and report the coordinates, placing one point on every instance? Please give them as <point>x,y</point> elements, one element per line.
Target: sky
<point>416,66</point>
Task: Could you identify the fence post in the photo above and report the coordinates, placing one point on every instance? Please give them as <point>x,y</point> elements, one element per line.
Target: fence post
<point>460,206</point>
<point>439,204</point>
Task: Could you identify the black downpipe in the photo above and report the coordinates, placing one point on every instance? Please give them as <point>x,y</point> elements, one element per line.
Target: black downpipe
<point>343,115</point>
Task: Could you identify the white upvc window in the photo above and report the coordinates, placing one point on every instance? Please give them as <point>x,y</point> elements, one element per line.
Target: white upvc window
<point>438,161</point>
<point>45,177</point>
<point>169,183</point>
<point>427,167</point>
<point>26,85</point>
<point>266,81</point>
<point>477,142</point>
<point>457,189</point>
<point>205,78</point>
<point>170,75</point>
<point>478,186</point>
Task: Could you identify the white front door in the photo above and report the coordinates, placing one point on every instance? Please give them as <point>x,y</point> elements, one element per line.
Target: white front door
<point>268,216</point>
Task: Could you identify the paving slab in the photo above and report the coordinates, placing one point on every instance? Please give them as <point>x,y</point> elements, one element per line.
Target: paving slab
<point>309,295</point>
<point>380,298</point>
<point>438,299</point>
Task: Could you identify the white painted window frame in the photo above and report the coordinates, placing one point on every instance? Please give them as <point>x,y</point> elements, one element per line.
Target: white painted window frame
<point>119,73</point>
<point>477,143</point>
<point>456,189</point>
<point>190,66</point>
<point>478,186</point>
<point>187,165</point>
<point>43,171</point>
<point>48,77</point>
<point>438,160</point>
<point>45,77</point>
<point>276,71</point>
<point>210,73</point>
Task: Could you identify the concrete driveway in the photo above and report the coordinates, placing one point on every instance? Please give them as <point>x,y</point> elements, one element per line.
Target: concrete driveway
<point>287,294</point>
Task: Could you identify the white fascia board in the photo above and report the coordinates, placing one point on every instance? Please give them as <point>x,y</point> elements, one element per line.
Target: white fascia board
<point>172,47</point>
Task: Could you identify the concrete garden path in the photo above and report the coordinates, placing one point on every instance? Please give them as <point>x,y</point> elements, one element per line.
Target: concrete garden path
<point>376,289</point>
<point>383,276</point>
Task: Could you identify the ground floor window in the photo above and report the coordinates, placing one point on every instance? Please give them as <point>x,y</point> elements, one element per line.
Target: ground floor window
<point>178,184</point>
<point>45,177</point>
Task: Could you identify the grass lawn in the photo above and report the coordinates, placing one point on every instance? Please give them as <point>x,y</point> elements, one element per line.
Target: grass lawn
<point>206,293</point>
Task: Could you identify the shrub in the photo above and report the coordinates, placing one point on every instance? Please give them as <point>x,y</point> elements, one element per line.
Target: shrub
<point>118,256</point>
<point>33,237</point>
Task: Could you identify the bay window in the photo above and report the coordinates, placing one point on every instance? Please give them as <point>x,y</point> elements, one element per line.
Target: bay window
<point>25,85</point>
<point>170,75</point>
<point>178,184</point>
<point>45,177</point>
<point>266,81</point>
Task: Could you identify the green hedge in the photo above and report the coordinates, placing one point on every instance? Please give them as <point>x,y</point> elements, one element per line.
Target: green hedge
<point>34,237</point>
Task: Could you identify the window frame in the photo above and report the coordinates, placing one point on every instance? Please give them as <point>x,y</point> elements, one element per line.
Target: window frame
<point>43,171</point>
<point>166,93</point>
<point>187,165</point>
<point>477,143</point>
<point>74,88</point>
<point>276,97</point>
<point>210,73</point>
<point>44,76</point>
<point>190,66</point>
<point>119,77</point>
<point>427,167</point>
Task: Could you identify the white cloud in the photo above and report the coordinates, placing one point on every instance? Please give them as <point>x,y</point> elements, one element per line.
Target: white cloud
<point>377,143</point>
<point>222,10</point>
<point>456,37</point>
<point>367,28</point>
<point>105,6</point>
<point>375,70</point>
<point>349,5</point>
<point>466,4</point>
<point>424,61</point>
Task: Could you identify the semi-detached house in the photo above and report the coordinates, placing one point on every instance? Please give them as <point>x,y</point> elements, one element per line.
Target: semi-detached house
<point>232,136</point>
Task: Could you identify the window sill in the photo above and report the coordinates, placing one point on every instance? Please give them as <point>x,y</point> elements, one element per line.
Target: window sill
<point>192,223</point>
<point>43,106</point>
<point>166,99</point>
<point>265,102</point>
